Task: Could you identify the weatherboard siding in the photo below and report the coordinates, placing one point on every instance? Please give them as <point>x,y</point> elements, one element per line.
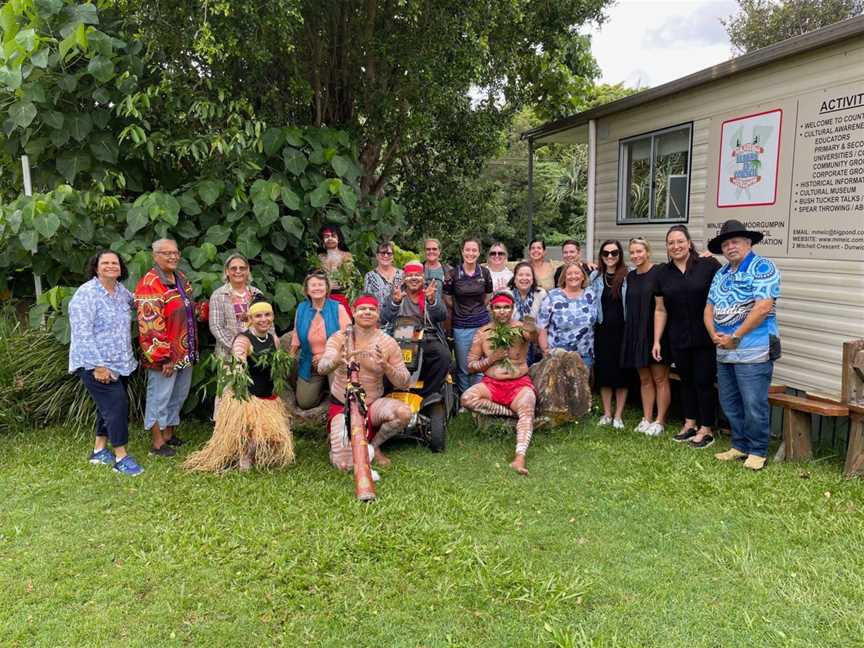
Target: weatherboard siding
<point>822,301</point>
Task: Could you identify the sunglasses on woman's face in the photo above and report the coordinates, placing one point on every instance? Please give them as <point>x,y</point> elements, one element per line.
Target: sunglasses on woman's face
<point>496,253</point>
<point>385,252</point>
<point>609,253</point>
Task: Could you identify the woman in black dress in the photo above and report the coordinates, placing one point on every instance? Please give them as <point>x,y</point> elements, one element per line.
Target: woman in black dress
<point>610,282</point>
<point>637,350</point>
<point>682,290</point>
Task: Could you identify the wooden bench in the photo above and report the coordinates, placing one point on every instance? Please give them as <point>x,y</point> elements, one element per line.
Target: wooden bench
<point>855,447</point>
<point>797,422</point>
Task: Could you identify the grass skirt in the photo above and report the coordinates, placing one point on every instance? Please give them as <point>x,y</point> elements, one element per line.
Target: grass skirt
<point>263,423</point>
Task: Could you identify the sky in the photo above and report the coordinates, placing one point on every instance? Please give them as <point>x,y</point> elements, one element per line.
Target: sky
<point>649,42</point>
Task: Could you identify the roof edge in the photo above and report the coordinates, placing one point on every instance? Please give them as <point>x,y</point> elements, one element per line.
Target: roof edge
<point>838,32</point>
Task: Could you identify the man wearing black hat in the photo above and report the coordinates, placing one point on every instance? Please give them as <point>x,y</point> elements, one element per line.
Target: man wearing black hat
<point>741,318</point>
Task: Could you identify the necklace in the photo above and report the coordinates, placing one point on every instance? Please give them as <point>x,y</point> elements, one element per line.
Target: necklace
<point>606,280</point>
<point>260,339</point>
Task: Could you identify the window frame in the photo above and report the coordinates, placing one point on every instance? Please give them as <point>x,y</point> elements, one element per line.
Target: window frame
<point>623,160</point>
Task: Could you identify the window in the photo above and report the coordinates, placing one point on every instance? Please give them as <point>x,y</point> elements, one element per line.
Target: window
<point>654,176</point>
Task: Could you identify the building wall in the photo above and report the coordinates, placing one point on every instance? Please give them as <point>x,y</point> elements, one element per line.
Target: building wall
<point>822,302</point>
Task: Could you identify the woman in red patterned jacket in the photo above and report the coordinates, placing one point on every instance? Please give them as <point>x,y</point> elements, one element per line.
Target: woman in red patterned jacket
<point>168,335</point>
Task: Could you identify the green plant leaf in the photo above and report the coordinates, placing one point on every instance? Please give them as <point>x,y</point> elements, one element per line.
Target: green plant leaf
<point>273,139</point>
<point>70,164</point>
<point>348,197</point>
<point>294,136</point>
<point>46,224</point>
<point>279,240</point>
<point>26,38</point>
<point>218,234</point>
<point>49,7</point>
<point>136,219</point>
<point>82,228</point>
<point>210,190</point>
<point>292,225</point>
<point>266,212</point>
<point>341,165</point>
<point>10,78</point>
<point>39,58</point>
<point>101,68</point>
<point>321,195</point>
<point>197,257</point>
<point>104,148</point>
<point>283,295</point>
<point>295,161</point>
<point>61,330</point>
<point>33,91</point>
<point>187,230</point>
<point>290,199</point>
<point>275,261</point>
<point>22,113</point>
<point>29,240</point>
<point>210,250</point>
<point>79,125</point>
<point>53,118</point>
<point>249,245</point>
<point>188,203</point>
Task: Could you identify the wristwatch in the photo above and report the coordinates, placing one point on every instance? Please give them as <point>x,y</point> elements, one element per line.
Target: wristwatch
<point>736,339</point>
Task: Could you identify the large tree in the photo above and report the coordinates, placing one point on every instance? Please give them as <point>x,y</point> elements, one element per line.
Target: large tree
<point>759,23</point>
<point>410,79</point>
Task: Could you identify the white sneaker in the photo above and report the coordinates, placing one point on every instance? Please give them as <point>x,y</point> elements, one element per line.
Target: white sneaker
<point>605,420</point>
<point>643,426</point>
<point>618,424</point>
<point>655,429</point>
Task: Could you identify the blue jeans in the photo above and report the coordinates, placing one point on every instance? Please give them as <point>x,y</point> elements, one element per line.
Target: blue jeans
<point>744,400</point>
<point>112,407</point>
<point>462,339</point>
<point>165,397</point>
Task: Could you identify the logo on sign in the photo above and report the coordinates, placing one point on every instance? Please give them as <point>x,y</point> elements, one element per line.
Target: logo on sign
<point>747,160</point>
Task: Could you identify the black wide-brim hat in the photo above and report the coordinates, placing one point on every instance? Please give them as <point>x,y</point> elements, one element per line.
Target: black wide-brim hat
<point>732,229</point>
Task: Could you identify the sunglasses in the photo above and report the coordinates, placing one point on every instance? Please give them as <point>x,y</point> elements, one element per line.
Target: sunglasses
<point>385,252</point>
<point>496,254</point>
<point>609,253</point>
<point>431,249</point>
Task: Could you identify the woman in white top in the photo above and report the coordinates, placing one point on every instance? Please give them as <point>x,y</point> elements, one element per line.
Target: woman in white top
<point>496,261</point>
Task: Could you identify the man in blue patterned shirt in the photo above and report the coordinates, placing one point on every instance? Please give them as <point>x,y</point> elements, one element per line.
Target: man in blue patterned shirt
<point>741,319</point>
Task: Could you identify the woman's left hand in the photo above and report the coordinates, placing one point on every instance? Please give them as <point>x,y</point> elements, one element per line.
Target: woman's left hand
<point>102,374</point>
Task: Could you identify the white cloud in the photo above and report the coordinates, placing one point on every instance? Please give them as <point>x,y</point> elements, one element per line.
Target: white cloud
<point>651,42</point>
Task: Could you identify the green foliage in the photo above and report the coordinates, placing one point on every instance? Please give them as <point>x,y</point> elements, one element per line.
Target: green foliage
<point>145,156</point>
<point>760,23</point>
<point>36,388</point>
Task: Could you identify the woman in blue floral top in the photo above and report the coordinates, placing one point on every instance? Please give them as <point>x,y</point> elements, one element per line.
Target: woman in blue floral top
<point>568,314</point>
<point>100,354</point>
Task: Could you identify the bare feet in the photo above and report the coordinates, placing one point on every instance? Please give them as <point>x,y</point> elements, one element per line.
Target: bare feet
<point>380,458</point>
<point>518,464</point>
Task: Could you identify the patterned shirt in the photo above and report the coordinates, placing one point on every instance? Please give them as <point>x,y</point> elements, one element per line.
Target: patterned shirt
<point>569,323</point>
<point>733,295</point>
<point>376,285</point>
<point>101,329</point>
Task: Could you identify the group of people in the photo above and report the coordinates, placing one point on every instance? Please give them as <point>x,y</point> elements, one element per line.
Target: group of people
<point>712,321</point>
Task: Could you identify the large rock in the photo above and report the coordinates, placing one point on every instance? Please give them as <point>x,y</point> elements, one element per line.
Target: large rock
<point>315,417</point>
<point>563,388</point>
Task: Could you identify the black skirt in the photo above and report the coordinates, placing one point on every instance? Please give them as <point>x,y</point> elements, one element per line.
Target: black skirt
<point>608,337</point>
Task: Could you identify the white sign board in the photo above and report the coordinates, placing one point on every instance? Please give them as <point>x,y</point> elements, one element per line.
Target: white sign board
<point>749,158</point>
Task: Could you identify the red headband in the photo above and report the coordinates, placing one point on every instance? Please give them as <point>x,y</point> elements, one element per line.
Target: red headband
<point>502,297</point>
<point>413,266</point>
<point>327,231</point>
<point>365,300</point>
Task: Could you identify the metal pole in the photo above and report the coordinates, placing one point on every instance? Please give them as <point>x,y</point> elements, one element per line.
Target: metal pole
<point>530,190</point>
<point>591,189</point>
<point>28,191</point>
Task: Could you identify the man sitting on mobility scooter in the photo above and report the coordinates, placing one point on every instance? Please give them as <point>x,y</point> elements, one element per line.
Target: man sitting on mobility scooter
<point>413,315</point>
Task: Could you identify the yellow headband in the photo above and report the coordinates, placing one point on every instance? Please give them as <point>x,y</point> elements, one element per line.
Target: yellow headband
<point>260,307</point>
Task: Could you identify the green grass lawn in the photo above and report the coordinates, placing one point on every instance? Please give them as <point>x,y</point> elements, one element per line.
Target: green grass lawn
<point>614,539</point>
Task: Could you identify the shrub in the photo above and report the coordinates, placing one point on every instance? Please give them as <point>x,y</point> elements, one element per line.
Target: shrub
<point>36,388</point>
